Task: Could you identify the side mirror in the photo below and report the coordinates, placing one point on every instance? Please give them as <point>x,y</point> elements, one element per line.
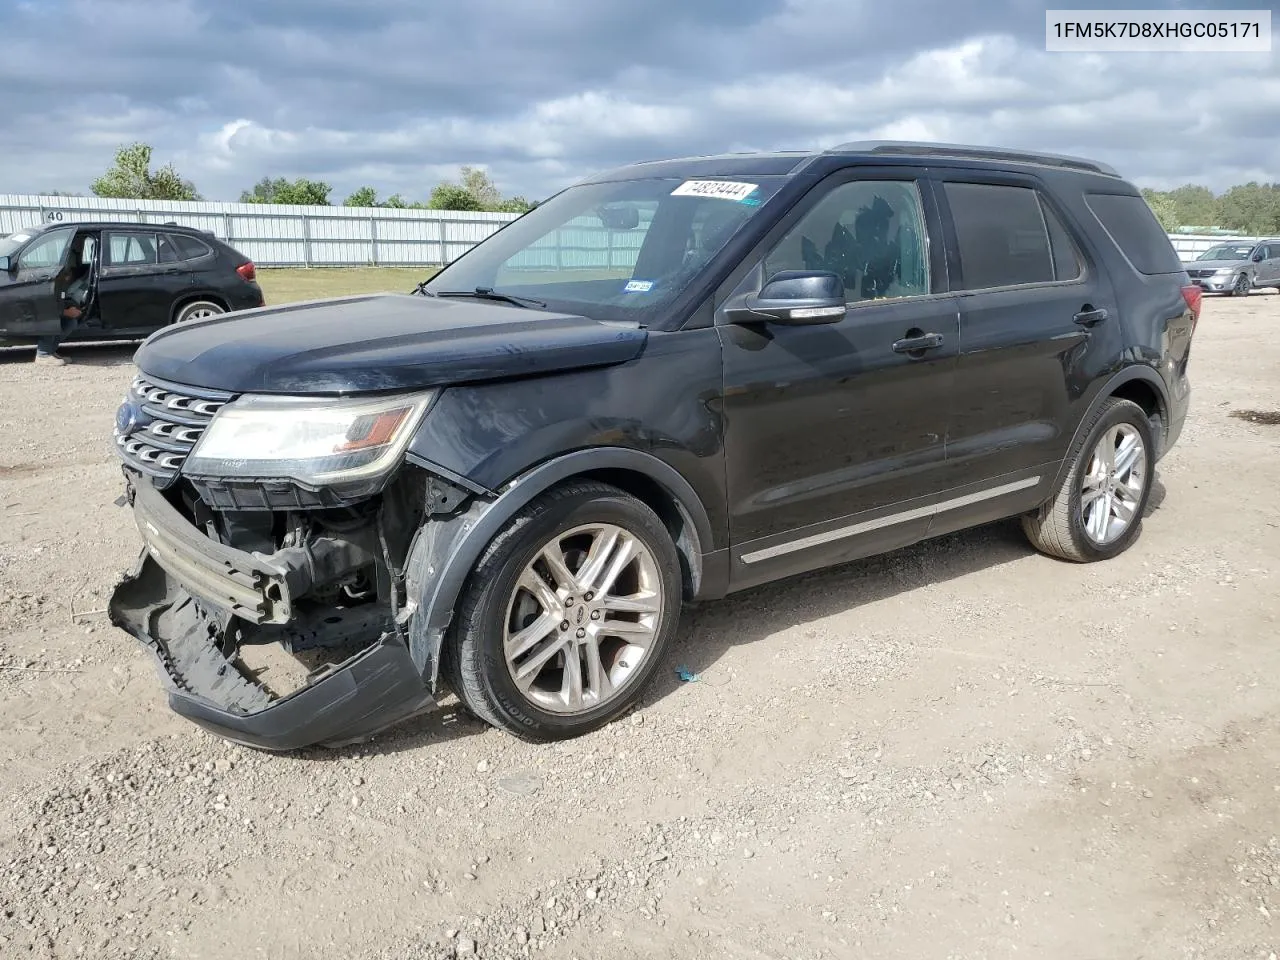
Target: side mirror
<point>7,265</point>
<point>797,297</point>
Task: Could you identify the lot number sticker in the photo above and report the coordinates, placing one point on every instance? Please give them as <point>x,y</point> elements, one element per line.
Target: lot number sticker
<point>719,189</point>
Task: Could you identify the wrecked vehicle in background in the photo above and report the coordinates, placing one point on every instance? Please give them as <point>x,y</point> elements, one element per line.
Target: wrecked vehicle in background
<point>667,383</point>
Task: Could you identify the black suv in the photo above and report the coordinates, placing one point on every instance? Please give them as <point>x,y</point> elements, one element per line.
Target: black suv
<point>667,383</point>
<point>141,277</point>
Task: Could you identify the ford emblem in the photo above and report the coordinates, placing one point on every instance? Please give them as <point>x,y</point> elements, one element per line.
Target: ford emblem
<point>128,418</point>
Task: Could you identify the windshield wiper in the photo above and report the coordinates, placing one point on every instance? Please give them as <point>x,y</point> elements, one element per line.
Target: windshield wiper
<point>488,293</point>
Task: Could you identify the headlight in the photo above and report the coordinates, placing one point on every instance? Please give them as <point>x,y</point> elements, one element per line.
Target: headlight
<point>1223,271</point>
<point>310,440</point>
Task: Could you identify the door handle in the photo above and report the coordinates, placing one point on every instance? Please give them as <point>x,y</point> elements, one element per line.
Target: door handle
<point>1089,316</point>
<point>919,343</point>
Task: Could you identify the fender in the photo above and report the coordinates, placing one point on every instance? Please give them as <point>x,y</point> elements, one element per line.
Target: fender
<point>1135,371</point>
<point>444,553</point>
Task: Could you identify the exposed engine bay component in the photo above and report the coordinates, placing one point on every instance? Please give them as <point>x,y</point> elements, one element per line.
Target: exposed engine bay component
<point>326,583</point>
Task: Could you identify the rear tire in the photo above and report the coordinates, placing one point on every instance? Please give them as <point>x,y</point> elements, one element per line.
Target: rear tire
<point>567,614</point>
<point>1096,512</point>
<point>198,310</point>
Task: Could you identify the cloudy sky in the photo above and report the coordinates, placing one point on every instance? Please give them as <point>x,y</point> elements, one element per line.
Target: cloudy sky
<point>398,93</point>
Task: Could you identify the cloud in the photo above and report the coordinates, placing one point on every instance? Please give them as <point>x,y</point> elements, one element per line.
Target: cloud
<point>541,92</point>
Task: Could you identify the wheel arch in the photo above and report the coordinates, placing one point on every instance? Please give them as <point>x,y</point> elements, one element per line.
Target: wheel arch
<point>1137,383</point>
<point>445,553</point>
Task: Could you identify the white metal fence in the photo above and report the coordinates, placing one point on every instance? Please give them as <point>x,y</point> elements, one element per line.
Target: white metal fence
<point>1190,246</point>
<point>277,235</point>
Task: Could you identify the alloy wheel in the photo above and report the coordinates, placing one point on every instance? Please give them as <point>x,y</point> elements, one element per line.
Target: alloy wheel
<point>583,618</point>
<point>1112,487</point>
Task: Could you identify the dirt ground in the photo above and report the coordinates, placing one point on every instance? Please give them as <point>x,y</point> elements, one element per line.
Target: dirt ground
<point>963,750</point>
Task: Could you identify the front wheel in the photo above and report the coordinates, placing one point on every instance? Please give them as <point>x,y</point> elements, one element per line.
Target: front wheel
<point>567,614</point>
<point>1097,510</point>
<point>1242,286</point>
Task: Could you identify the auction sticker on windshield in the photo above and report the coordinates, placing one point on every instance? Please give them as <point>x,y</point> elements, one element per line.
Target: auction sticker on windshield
<point>720,189</point>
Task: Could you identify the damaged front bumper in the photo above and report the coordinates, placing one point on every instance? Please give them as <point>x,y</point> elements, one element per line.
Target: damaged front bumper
<point>185,585</point>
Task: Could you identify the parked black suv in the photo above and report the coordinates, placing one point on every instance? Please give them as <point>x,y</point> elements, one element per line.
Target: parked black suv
<point>669,382</point>
<point>141,277</point>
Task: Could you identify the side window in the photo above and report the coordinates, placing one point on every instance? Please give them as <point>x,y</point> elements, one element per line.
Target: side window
<point>870,232</point>
<point>168,252</point>
<point>1129,221</point>
<point>1002,236</point>
<point>130,249</point>
<point>189,248</point>
<point>45,253</point>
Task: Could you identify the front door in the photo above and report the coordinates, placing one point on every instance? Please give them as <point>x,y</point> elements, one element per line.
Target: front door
<point>142,277</point>
<point>29,304</point>
<point>1268,274</point>
<point>835,433</point>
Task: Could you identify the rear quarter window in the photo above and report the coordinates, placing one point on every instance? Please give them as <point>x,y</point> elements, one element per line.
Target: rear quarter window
<point>189,248</point>
<point>1131,224</point>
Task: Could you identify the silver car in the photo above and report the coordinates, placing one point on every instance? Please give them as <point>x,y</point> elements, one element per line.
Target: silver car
<point>1237,267</point>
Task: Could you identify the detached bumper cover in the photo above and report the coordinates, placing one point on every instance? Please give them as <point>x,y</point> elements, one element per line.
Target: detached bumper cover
<point>180,626</point>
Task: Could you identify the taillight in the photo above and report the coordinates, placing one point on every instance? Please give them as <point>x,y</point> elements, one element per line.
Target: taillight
<point>1194,297</point>
<point>247,271</point>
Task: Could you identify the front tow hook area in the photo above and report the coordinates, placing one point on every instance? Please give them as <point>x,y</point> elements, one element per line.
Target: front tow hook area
<point>345,703</point>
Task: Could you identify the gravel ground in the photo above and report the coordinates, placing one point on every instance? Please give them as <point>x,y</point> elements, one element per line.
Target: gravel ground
<point>961,750</point>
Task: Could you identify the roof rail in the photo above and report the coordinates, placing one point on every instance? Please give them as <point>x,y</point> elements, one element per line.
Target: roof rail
<point>921,148</point>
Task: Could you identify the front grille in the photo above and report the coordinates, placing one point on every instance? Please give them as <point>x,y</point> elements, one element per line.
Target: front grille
<point>170,419</point>
<point>1200,274</point>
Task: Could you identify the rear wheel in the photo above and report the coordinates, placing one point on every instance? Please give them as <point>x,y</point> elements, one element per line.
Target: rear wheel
<point>1242,286</point>
<point>1097,510</point>
<point>567,614</point>
<point>198,311</point>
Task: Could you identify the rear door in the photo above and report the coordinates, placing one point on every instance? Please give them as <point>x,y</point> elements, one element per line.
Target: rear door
<point>142,275</point>
<point>1037,317</point>
<point>28,302</point>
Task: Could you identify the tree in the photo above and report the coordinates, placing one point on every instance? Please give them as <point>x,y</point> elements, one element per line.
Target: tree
<point>300,192</point>
<point>515,205</point>
<point>451,196</point>
<point>131,178</point>
<point>1195,206</point>
<point>477,183</point>
<point>1252,208</point>
<point>364,197</point>
<point>1163,207</point>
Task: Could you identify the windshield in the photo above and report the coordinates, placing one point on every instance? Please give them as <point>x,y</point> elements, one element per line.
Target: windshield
<point>1227,251</point>
<point>9,245</point>
<point>611,251</point>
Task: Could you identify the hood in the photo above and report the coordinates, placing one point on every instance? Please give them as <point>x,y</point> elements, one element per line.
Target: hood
<point>1215,264</point>
<point>381,342</point>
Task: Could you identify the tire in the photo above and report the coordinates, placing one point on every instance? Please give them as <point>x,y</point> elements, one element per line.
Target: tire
<point>197,310</point>
<point>1242,287</point>
<point>1059,527</point>
<point>499,613</point>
